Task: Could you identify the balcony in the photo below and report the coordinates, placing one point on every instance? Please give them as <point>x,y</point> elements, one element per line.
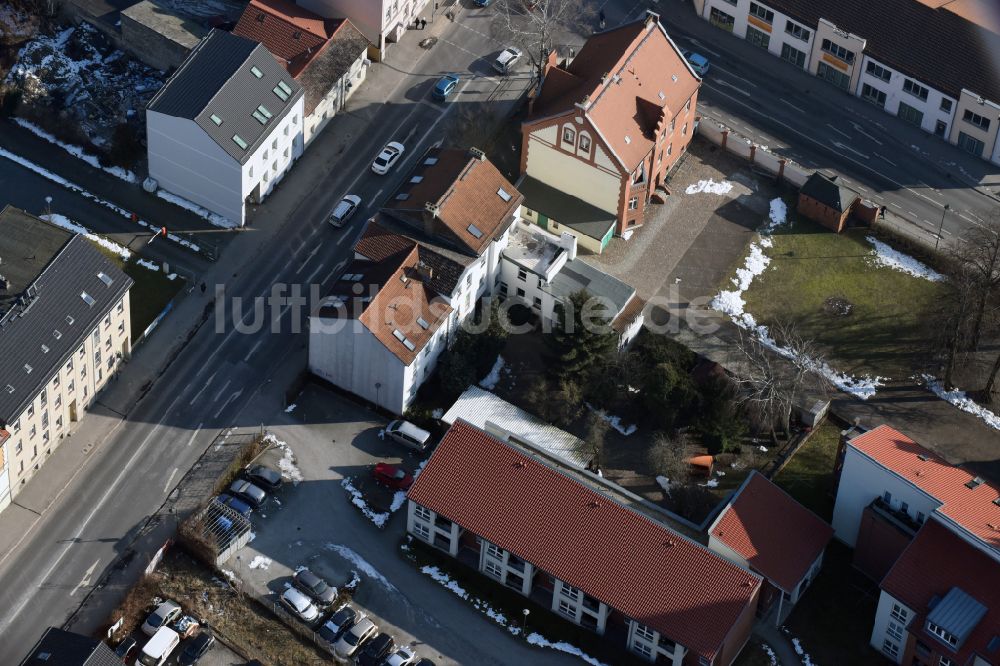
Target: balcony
<point>900,519</point>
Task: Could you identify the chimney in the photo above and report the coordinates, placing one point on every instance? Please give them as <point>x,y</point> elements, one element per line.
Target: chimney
<point>652,18</point>
<point>431,211</point>
<point>477,154</point>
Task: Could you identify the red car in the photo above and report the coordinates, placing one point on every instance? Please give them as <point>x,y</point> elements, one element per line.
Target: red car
<point>392,476</point>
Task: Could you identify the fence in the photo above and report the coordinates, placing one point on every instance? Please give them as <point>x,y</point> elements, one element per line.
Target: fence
<point>778,167</point>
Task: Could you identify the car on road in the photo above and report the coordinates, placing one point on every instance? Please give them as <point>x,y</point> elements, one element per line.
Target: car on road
<point>392,476</point>
<point>389,156</point>
<point>236,504</point>
<point>424,662</point>
<point>698,62</point>
<point>299,605</point>
<point>264,477</point>
<point>125,649</point>
<point>165,613</point>
<point>317,588</point>
<point>375,650</point>
<point>403,656</point>
<point>344,209</point>
<point>445,86</point>
<point>196,648</point>
<point>248,492</point>
<point>409,435</point>
<point>339,622</point>
<point>359,633</point>
<point>507,59</point>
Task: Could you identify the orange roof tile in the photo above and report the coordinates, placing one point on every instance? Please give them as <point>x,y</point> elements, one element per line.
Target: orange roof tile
<point>631,563</point>
<point>779,538</point>
<point>971,508</point>
<point>293,35</point>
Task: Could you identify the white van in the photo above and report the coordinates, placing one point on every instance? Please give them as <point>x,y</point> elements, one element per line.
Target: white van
<point>159,648</point>
<point>408,435</point>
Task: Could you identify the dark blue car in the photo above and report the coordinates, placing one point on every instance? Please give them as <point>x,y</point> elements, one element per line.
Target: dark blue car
<point>236,504</point>
<point>445,86</point>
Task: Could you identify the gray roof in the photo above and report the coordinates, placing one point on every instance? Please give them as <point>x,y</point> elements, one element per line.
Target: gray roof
<point>828,192</point>
<point>216,79</point>
<point>565,209</point>
<point>958,614</point>
<point>479,407</point>
<point>578,274</point>
<point>65,648</point>
<point>52,298</point>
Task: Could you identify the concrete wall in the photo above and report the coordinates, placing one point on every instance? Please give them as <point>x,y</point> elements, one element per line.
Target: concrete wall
<point>852,43</point>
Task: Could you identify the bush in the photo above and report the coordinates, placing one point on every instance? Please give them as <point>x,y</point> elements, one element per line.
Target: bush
<point>248,452</point>
<point>10,100</point>
<point>134,607</point>
<point>126,147</point>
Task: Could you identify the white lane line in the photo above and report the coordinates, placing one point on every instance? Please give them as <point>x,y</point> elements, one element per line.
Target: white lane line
<point>894,164</point>
<point>222,390</point>
<point>308,258</point>
<point>730,72</point>
<point>797,108</point>
<point>170,478</point>
<point>313,275</point>
<point>86,577</point>
<point>912,213</point>
<point>253,349</point>
<point>704,48</point>
<point>839,131</point>
<point>895,205</point>
<point>859,130</point>
<point>335,270</point>
<point>843,147</point>
<point>194,434</point>
<point>235,395</point>
<point>203,387</point>
<point>720,82</point>
<point>945,231</point>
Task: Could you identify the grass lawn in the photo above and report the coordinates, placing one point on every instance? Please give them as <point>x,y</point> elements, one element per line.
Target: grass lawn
<point>833,620</point>
<point>150,293</point>
<point>808,476</point>
<point>885,334</point>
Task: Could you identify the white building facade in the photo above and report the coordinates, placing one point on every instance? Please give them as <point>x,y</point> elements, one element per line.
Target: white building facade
<point>381,21</point>
<point>915,102</point>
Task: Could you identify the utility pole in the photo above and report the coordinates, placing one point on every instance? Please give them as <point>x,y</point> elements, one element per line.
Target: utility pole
<point>937,240</point>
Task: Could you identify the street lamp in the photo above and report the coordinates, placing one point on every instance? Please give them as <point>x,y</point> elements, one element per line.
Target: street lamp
<point>941,226</point>
<point>524,624</point>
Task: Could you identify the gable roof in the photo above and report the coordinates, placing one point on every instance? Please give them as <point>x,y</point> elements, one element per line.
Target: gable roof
<point>294,35</point>
<point>631,563</point>
<point>465,198</point>
<point>54,318</point>
<point>217,79</point>
<point>379,241</point>
<point>628,79</point>
<point>57,647</point>
<point>828,192</point>
<point>779,538</point>
<point>971,508</point>
<point>941,575</point>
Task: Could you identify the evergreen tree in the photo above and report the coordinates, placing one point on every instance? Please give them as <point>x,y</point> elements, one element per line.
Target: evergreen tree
<point>582,338</point>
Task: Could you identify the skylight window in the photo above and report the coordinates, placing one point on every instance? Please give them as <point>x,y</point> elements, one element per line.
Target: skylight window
<point>628,139</point>
<point>56,334</point>
<point>260,117</point>
<point>475,231</point>
<point>87,298</point>
<point>69,320</point>
<point>238,140</point>
<point>416,179</point>
<point>282,95</point>
<point>431,161</point>
<point>10,389</point>
<point>105,278</point>
<point>402,196</point>
<point>398,334</point>
<point>216,119</point>
<point>256,72</point>
<point>45,349</point>
<point>423,323</point>
<point>409,345</point>
<point>27,368</point>
<point>503,194</point>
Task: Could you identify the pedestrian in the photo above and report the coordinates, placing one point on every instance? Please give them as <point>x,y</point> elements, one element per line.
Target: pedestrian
<point>881,212</point>
<point>423,23</point>
<point>601,17</point>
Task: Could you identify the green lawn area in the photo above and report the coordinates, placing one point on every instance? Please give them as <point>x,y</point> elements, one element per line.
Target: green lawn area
<point>150,293</point>
<point>885,334</point>
<point>808,476</point>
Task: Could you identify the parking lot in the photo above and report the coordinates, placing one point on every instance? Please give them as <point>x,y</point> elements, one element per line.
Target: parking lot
<point>313,524</point>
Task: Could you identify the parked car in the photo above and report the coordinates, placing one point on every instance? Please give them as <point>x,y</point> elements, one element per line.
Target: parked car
<point>125,649</point>
<point>339,622</point>
<point>375,650</point>
<point>317,588</point>
<point>196,648</point>
<point>409,435</point>
<point>403,656</point>
<point>389,156</point>
<point>248,492</point>
<point>699,63</point>
<point>165,613</point>
<point>445,86</point>
<point>424,662</point>
<point>483,3</point>
<point>158,649</point>
<point>344,209</point>
<point>299,605</point>
<point>392,476</point>
<point>236,504</point>
<point>507,59</point>
<point>362,631</point>
<point>264,477</point>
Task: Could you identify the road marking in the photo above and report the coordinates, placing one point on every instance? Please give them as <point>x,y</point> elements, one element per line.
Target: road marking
<point>913,214</point>
<point>169,479</point>
<point>797,108</point>
<point>839,131</point>
<point>720,82</point>
<point>895,205</point>
<point>334,271</point>
<point>945,231</point>
<point>315,272</point>
<point>894,164</point>
<point>843,147</point>
<point>86,577</point>
<point>253,349</point>
<point>706,49</point>
<point>222,390</point>
<point>232,397</point>
<point>307,259</point>
<point>204,386</point>
<point>194,434</point>
<point>858,129</point>
<point>377,195</point>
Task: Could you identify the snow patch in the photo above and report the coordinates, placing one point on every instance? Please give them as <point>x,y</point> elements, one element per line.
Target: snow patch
<point>287,465</point>
<point>711,483</point>
<point>204,213</point>
<point>614,421</point>
<point>290,408</point>
<point>962,401</point>
<point>361,563</point>
<point>358,500</point>
<point>770,654</point>
<point>260,562</point>
<point>664,483</point>
<point>77,152</point>
<point>490,381</point>
<point>884,255</point>
<point>709,187</point>
<point>563,646</point>
<point>437,413</point>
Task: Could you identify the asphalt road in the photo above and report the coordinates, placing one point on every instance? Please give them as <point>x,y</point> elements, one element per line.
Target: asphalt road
<point>820,127</point>
<point>209,384</point>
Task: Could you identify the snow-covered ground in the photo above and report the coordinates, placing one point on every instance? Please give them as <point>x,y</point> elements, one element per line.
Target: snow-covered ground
<point>490,381</point>
<point>286,464</point>
<point>379,518</point>
<point>962,401</point>
<point>363,565</point>
<point>78,152</point>
<point>16,24</point>
<point>123,252</point>
<point>883,255</point>
<point>214,218</point>
<point>260,562</point>
<point>709,187</point>
<point>664,483</point>
<point>614,421</point>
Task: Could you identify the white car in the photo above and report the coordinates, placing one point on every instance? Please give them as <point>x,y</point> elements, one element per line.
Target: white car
<point>299,604</point>
<point>404,656</point>
<point>343,211</point>
<point>362,631</point>
<point>164,614</point>
<point>389,156</point>
<point>507,59</point>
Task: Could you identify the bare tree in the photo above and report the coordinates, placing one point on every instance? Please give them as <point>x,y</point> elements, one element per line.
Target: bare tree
<point>597,434</point>
<point>978,255</point>
<point>952,321</point>
<point>535,26</point>
<point>771,383</point>
<point>668,456</point>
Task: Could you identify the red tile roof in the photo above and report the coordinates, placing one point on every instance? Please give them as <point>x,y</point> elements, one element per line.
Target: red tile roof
<point>936,561</point>
<point>779,538</point>
<point>293,35</point>
<point>638,567</point>
<point>972,508</point>
<point>621,73</point>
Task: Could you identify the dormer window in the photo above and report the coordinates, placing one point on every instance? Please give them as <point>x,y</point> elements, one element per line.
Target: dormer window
<point>584,143</point>
<point>569,135</point>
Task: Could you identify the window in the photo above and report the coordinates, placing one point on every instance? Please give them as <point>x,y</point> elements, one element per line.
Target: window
<point>34,451</point>
<point>946,105</point>
<point>216,119</point>
<point>890,649</point>
<point>904,507</point>
<point>18,447</point>
<point>107,322</point>
<point>942,633</point>
<point>81,353</point>
<point>55,381</point>
<point>633,203</point>
<point>921,517</point>
<point>538,302</point>
<point>793,55</point>
<point>522,275</point>
<point>670,148</point>
<point>493,569</point>
<point>42,397</point>
<point>256,72</point>
<point>240,142</point>
<point>672,122</point>
<point>262,115</point>
<point>120,308</point>
<point>567,609</point>
<point>910,114</point>
<point>45,419</point>
<point>504,194</point>
<point>975,119</point>
<point>31,410</point>
<point>644,632</point>
<point>520,292</point>
<point>638,646</point>
<point>895,631</point>
<point>970,144</point>
<point>797,31</point>
<point>687,107</point>
<point>274,145</point>
<point>69,365</point>
<point>422,512</point>
<point>945,661</point>
<point>570,592</point>
<point>121,328</point>
<point>762,13</point>
<point>585,143</point>
<point>838,51</point>
<point>878,71</point>
<point>569,135</point>
<point>494,550</point>
<point>422,531</point>
<point>873,95</point>
<point>912,87</point>
<point>265,155</point>
<point>58,400</point>
<point>280,92</point>
<point>684,130</point>
<point>887,497</point>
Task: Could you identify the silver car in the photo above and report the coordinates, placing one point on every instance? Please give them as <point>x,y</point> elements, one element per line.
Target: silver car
<point>362,631</point>
<point>507,59</point>
<point>299,605</point>
<point>164,614</point>
<point>408,435</point>
<point>389,156</point>
<point>343,211</point>
<point>247,492</point>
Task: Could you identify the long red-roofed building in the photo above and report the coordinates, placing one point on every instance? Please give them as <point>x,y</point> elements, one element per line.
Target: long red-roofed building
<point>567,540</point>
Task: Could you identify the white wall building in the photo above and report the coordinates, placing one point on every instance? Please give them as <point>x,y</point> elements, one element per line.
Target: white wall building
<point>381,21</point>
<point>915,102</point>
<point>226,127</point>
